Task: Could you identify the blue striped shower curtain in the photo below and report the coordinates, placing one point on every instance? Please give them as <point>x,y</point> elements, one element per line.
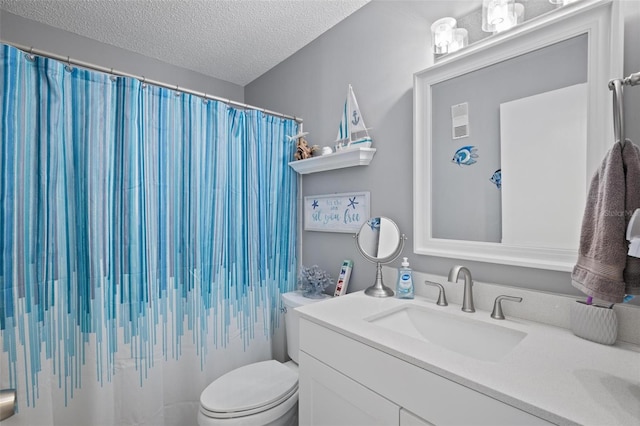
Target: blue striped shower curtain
<point>146,238</point>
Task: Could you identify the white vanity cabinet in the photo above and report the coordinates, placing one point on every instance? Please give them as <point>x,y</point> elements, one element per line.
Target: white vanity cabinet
<point>346,382</point>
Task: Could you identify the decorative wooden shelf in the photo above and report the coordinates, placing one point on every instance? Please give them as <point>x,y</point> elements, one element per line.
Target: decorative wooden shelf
<point>335,160</point>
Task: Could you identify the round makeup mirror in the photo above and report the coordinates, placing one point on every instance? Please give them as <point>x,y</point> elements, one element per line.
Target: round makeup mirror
<point>379,241</point>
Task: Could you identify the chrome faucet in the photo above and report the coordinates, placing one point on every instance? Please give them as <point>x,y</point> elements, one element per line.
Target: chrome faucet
<point>467,300</point>
<point>442,297</point>
<point>497,306</point>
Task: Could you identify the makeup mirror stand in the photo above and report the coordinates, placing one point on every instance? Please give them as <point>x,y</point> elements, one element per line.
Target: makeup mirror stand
<point>378,289</point>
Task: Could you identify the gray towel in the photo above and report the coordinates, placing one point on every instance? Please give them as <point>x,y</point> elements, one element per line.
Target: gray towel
<point>604,270</point>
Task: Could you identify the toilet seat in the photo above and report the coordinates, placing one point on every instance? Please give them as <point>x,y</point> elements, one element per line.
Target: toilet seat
<point>248,390</point>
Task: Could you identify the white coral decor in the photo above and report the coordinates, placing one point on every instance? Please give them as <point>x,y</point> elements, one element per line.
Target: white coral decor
<point>312,281</point>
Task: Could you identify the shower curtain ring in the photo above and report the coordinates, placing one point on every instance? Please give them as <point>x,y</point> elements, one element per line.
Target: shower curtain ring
<point>177,90</point>
<point>144,82</point>
<point>205,100</point>
<point>68,67</point>
<point>30,56</point>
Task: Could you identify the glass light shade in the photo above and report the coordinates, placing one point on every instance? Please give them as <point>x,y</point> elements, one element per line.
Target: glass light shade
<point>497,14</point>
<point>460,39</point>
<point>442,34</point>
<point>516,16</point>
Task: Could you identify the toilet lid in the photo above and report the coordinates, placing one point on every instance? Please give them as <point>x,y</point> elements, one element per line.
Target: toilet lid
<point>249,388</point>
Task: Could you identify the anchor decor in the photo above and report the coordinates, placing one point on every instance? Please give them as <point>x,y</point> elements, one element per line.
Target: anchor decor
<point>356,119</point>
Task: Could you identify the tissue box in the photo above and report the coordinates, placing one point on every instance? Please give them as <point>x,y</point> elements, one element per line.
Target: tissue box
<point>594,322</point>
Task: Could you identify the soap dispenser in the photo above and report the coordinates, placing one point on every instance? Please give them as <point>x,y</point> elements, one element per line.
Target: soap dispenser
<point>404,289</point>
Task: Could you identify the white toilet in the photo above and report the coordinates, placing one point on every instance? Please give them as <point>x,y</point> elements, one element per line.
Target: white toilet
<point>260,394</point>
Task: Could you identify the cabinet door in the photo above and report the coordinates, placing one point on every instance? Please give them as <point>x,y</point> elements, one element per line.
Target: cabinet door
<point>331,398</point>
<point>407,418</point>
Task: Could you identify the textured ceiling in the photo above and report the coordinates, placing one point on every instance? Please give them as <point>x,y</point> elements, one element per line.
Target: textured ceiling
<point>233,40</point>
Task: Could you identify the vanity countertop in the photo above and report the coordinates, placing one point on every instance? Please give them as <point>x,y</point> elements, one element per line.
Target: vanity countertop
<point>551,373</point>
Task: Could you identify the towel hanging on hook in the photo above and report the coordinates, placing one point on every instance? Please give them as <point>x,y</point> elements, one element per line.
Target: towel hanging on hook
<point>604,269</point>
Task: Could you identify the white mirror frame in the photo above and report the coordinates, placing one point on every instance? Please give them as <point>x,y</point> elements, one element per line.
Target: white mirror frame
<point>603,23</point>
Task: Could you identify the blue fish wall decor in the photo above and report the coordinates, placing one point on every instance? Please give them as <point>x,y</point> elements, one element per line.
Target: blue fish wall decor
<point>465,156</point>
<point>496,178</point>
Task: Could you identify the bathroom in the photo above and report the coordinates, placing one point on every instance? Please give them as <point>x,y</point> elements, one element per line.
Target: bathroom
<point>377,49</point>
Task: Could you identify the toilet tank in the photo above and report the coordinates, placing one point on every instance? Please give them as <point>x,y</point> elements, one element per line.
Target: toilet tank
<point>291,301</point>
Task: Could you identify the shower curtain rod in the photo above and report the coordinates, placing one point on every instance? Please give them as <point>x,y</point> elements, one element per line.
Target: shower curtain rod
<point>70,61</point>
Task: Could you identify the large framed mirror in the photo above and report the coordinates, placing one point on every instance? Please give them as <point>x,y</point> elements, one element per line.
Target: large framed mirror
<point>507,135</point>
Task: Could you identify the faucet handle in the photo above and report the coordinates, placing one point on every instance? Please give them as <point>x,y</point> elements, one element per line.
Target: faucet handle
<point>497,306</point>
<point>442,298</point>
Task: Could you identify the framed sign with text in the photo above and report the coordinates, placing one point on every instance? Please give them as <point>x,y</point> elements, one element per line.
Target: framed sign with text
<point>336,212</point>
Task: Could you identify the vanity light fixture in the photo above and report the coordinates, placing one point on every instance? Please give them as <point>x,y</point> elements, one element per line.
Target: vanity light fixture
<point>562,2</point>
<point>498,15</point>
<point>460,39</point>
<point>442,34</point>
<point>517,17</point>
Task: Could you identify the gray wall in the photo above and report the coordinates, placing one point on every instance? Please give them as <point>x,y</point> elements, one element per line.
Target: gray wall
<point>377,49</point>
<point>631,65</point>
<point>26,32</point>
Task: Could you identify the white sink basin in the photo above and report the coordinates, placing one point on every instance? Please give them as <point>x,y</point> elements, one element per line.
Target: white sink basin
<point>469,337</point>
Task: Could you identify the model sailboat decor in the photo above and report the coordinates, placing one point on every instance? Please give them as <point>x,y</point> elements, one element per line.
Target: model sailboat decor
<point>352,147</point>
<point>352,132</point>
